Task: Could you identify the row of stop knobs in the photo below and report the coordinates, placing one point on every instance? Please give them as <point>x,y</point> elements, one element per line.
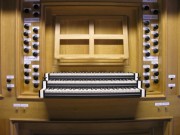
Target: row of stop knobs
<point>35,38</point>
<point>155,35</point>
<point>151,41</point>
<point>35,77</point>
<point>31,12</point>
<point>155,74</point>
<point>35,8</point>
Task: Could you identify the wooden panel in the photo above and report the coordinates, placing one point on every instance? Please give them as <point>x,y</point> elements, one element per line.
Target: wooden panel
<point>129,1</point>
<point>178,37</point>
<point>0,45</point>
<point>172,45</point>
<point>7,44</point>
<point>43,127</point>
<point>77,26</point>
<point>49,32</point>
<point>38,109</point>
<point>75,46</point>
<point>109,46</point>
<point>3,127</point>
<point>108,26</point>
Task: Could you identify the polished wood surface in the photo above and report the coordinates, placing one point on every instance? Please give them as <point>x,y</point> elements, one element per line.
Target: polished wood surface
<point>112,108</point>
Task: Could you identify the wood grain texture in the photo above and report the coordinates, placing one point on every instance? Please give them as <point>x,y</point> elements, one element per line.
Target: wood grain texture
<point>0,45</point>
<point>103,28</point>
<point>11,63</point>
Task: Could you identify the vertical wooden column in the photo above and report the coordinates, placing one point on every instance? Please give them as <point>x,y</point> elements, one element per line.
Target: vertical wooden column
<point>7,43</point>
<point>0,47</point>
<point>91,39</point>
<point>172,44</point>
<point>125,39</point>
<point>57,40</point>
<point>178,38</point>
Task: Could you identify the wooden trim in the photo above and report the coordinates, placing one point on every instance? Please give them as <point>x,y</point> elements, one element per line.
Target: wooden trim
<point>168,118</point>
<point>167,123</point>
<point>88,36</point>
<point>125,39</point>
<point>95,57</point>
<point>163,24</point>
<point>18,53</point>
<point>178,84</point>
<point>56,40</point>
<point>91,37</point>
<point>13,128</point>
<point>168,127</point>
<point>124,1</point>
<point>1,93</point>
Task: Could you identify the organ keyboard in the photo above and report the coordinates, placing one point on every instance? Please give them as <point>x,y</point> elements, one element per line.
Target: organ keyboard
<point>91,84</point>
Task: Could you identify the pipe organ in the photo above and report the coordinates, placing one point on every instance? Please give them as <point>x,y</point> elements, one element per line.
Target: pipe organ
<point>92,39</point>
<point>83,61</point>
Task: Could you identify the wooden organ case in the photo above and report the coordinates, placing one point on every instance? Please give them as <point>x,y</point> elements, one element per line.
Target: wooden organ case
<point>102,38</point>
<point>90,38</point>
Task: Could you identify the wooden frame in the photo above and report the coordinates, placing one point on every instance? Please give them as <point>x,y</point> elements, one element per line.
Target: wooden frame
<point>47,64</point>
<point>7,44</point>
<point>1,94</point>
<point>103,59</point>
<point>91,37</point>
<point>101,127</point>
<point>178,36</point>
<point>156,91</point>
<point>23,92</point>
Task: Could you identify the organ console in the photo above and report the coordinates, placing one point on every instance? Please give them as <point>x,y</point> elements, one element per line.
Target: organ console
<point>92,39</point>
<point>91,85</point>
<point>83,48</point>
